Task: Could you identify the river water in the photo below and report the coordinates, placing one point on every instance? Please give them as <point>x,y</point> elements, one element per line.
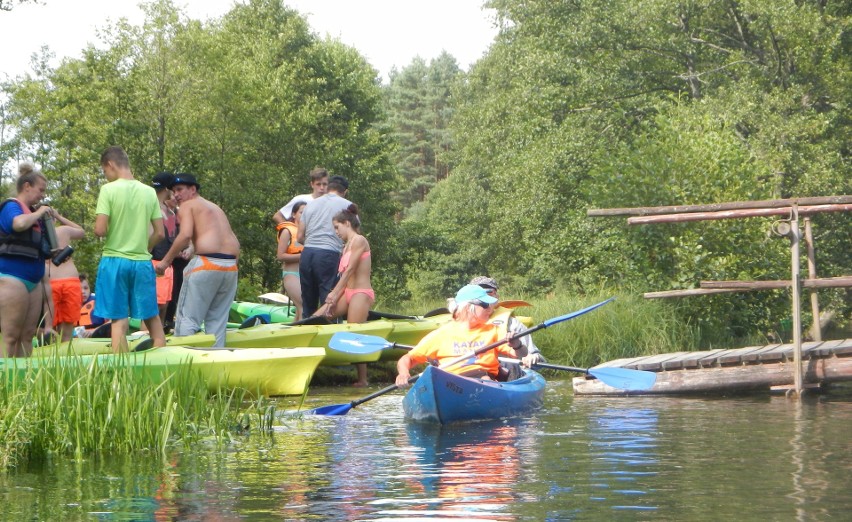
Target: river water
<point>755,457</point>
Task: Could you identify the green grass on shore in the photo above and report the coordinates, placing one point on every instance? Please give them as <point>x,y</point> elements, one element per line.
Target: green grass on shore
<point>79,409</point>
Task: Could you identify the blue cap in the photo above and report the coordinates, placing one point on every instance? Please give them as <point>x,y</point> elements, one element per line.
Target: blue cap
<point>474,293</point>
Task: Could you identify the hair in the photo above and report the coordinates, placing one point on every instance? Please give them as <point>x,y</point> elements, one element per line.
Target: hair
<point>338,184</point>
<point>296,207</point>
<point>463,311</point>
<point>83,277</point>
<point>28,173</point>
<point>349,215</point>
<point>116,155</point>
<point>318,173</point>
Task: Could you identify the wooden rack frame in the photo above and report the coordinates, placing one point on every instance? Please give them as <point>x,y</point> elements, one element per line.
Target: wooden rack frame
<point>792,209</point>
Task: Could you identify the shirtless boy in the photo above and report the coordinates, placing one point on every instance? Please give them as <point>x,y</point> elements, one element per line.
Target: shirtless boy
<point>210,278</point>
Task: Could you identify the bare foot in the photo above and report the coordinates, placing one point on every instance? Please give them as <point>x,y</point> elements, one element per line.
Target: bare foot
<point>360,384</point>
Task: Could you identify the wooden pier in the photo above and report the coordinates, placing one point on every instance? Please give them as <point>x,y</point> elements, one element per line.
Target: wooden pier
<point>718,371</point>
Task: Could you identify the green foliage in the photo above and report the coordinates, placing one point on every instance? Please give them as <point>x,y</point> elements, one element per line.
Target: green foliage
<point>620,104</point>
<point>248,104</point>
<point>72,407</point>
<point>419,109</point>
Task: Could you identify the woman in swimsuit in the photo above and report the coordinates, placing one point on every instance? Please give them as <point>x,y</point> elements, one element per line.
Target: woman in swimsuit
<point>289,253</point>
<point>23,250</point>
<point>353,295</point>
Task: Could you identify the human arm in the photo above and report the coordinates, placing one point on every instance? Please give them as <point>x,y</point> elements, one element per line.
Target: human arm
<point>101,225</point>
<point>300,232</point>
<point>182,241</point>
<point>26,221</point>
<point>278,217</point>
<point>403,368</point>
<point>73,230</point>
<point>158,233</point>
<point>531,353</point>
<point>358,245</point>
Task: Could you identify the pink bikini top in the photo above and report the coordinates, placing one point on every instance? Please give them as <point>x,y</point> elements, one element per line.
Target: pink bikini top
<point>344,260</point>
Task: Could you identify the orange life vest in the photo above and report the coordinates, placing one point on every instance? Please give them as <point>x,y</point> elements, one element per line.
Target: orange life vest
<point>86,313</point>
<point>454,339</point>
<point>294,247</point>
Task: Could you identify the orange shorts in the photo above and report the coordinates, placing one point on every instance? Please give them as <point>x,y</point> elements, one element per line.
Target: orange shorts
<point>67,299</point>
<point>164,284</point>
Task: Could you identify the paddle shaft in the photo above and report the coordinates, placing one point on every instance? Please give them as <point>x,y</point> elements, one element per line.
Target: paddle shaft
<point>342,409</point>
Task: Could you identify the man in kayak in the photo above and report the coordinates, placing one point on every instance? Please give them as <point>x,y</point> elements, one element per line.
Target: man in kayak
<point>471,328</point>
<point>210,278</point>
<point>514,325</point>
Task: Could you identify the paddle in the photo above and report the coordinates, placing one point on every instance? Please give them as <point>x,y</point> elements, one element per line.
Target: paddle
<point>621,378</point>
<point>343,409</point>
<point>346,341</point>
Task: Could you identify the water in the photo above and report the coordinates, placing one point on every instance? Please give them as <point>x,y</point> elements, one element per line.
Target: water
<point>742,458</point>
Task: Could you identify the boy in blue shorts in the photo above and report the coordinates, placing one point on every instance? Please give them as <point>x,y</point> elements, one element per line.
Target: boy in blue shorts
<point>126,285</point>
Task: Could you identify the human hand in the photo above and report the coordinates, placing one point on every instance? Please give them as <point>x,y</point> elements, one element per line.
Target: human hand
<point>402,380</point>
<point>530,360</point>
<point>161,267</point>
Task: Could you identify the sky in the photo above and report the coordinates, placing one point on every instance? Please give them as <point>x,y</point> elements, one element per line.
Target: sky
<point>387,32</point>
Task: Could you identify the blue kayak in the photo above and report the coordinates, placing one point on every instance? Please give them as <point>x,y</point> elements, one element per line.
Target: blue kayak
<point>441,397</point>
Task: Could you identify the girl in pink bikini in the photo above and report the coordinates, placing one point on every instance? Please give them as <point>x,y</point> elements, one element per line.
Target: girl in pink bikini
<point>353,295</point>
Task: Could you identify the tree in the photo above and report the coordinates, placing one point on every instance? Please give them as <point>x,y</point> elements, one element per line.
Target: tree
<point>418,103</point>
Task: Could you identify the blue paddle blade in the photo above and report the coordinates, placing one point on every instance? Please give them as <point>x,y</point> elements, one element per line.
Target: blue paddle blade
<point>624,378</point>
<point>334,409</point>
<point>349,342</point>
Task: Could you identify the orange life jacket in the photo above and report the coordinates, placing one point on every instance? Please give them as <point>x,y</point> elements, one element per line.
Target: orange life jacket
<point>454,339</point>
<point>294,247</point>
<point>86,313</point>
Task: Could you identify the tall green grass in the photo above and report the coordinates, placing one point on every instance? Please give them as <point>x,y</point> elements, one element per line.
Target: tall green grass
<point>627,327</point>
<point>79,406</point>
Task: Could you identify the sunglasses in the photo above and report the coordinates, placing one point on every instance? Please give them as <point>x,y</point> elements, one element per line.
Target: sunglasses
<point>480,303</point>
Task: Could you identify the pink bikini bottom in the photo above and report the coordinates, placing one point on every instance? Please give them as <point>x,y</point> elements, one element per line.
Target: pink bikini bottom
<point>349,292</point>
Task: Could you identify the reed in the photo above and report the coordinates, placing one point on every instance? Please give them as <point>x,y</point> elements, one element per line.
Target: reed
<point>627,327</point>
<point>84,405</point>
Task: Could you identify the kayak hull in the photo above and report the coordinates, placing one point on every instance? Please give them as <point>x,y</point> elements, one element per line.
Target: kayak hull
<point>269,372</point>
<point>441,397</point>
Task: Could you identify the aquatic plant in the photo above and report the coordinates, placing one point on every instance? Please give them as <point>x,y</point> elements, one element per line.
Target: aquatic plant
<point>80,406</point>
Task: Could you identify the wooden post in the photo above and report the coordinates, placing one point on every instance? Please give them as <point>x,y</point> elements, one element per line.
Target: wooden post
<point>816,330</point>
<point>797,312</point>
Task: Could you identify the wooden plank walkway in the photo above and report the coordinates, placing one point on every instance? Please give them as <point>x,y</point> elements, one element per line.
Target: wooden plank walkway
<point>719,371</point>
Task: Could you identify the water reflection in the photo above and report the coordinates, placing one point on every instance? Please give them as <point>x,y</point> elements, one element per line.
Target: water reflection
<point>768,458</point>
<point>469,470</point>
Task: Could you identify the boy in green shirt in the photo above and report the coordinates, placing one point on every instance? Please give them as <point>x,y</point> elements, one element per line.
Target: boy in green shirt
<point>126,285</point>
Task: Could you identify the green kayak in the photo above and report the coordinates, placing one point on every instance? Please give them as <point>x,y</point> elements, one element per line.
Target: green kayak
<point>266,371</point>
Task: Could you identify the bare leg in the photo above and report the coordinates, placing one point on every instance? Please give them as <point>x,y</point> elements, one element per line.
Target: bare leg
<point>155,330</point>
<point>293,289</point>
<point>12,315</point>
<point>67,331</point>
<point>358,309</point>
<point>119,335</point>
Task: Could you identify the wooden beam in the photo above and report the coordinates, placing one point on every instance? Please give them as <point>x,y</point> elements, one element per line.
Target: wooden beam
<point>688,292</point>
<point>713,207</point>
<point>728,379</point>
<point>820,282</point>
<point>736,214</point>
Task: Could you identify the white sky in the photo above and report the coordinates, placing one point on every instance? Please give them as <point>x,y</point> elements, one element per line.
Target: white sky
<point>387,32</point>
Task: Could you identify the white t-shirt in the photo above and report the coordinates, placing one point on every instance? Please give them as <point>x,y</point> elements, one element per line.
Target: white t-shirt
<point>287,210</point>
